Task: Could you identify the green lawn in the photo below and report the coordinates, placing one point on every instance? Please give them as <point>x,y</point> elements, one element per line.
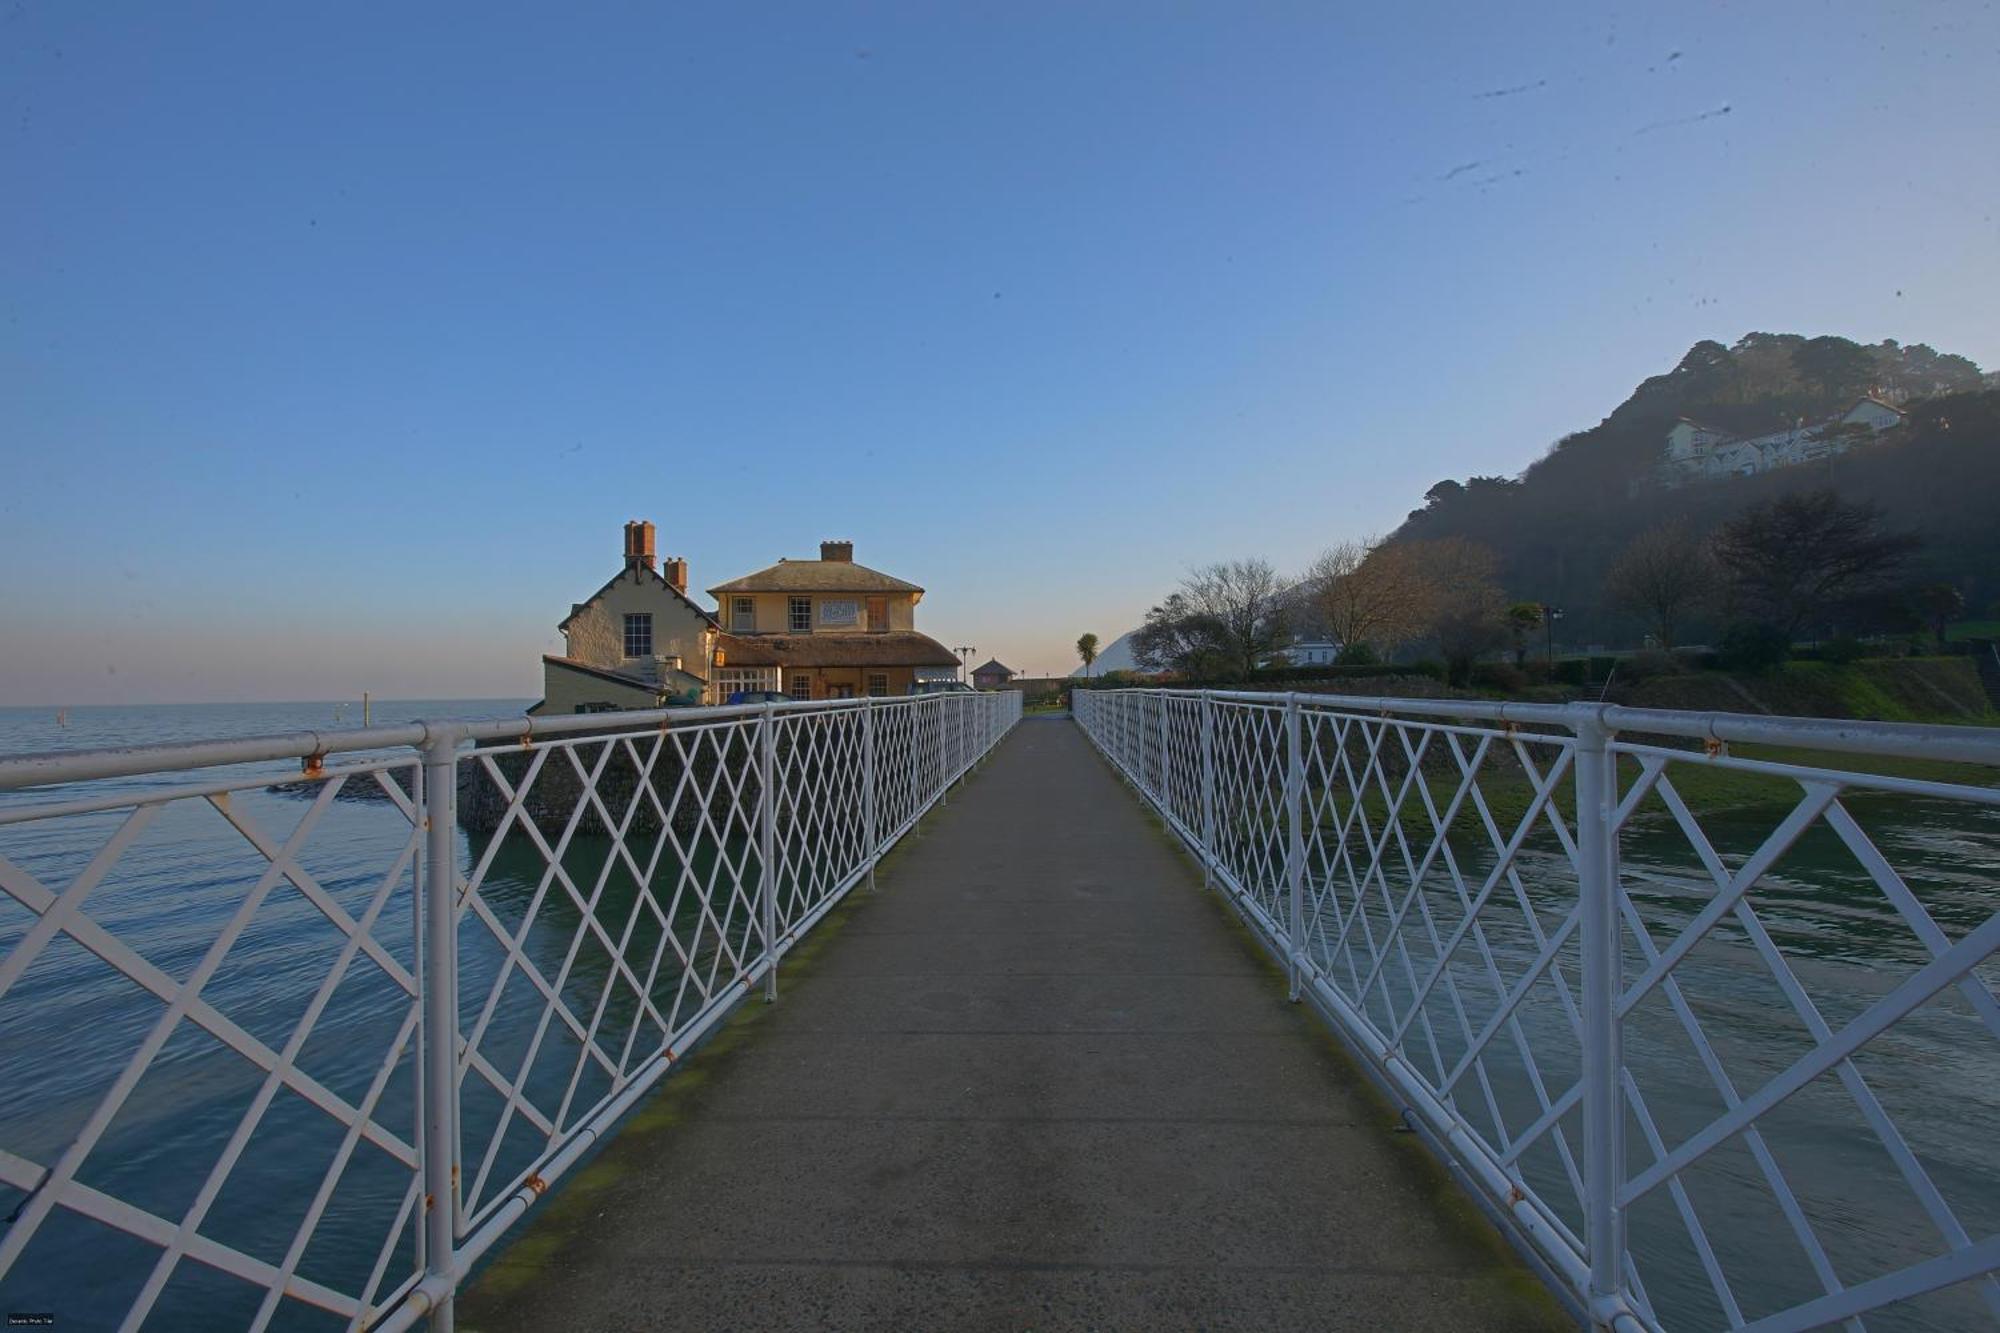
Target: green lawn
<point>1706,788</point>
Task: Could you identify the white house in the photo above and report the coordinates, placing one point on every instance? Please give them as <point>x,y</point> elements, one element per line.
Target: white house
<point>1302,651</point>
<point>1696,452</point>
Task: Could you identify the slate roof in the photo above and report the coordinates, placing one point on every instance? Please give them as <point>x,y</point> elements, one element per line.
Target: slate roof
<point>992,666</point>
<point>663,685</point>
<point>814,576</point>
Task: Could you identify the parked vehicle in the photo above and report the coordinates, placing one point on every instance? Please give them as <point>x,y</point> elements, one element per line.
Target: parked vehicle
<point>759,697</point>
<point>941,687</point>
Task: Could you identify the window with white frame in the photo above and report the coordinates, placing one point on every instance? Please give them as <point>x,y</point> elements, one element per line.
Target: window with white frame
<point>639,634</point>
<point>878,684</point>
<point>800,686</point>
<point>743,613</point>
<point>801,615</point>
<point>731,680</point>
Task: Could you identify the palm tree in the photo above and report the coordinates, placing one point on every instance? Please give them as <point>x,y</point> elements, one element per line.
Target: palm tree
<point>1086,648</point>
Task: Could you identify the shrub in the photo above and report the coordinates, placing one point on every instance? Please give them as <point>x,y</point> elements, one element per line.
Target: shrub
<point>1647,665</point>
<point>1754,647</point>
<point>1498,676</point>
<point>1571,671</point>
<point>1357,654</point>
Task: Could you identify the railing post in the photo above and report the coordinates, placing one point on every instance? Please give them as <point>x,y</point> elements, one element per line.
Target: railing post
<point>1166,756</point>
<point>868,788</point>
<point>1207,788</point>
<point>1295,852</point>
<point>916,713</point>
<point>439,980</point>
<point>1601,944</point>
<point>767,845</point>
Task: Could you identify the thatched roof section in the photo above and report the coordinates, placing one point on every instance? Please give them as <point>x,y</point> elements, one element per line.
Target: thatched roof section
<point>896,648</point>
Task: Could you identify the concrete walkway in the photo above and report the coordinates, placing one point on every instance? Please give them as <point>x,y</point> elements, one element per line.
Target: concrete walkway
<point>1040,1081</point>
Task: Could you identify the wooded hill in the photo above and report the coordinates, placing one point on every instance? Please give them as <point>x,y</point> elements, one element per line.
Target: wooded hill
<point>1558,526</point>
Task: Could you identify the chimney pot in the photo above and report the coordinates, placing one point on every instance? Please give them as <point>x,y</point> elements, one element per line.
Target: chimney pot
<point>842,552</point>
<point>638,544</point>
<point>675,568</point>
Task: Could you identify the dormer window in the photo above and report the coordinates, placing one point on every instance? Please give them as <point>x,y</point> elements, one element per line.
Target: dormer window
<point>800,616</point>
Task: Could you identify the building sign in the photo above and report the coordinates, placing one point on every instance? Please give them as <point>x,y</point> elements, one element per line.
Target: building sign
<point>839,613</point>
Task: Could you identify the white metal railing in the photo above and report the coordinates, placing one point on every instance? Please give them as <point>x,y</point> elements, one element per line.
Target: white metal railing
<point>476,1010</point>
<point>1747,1057</point>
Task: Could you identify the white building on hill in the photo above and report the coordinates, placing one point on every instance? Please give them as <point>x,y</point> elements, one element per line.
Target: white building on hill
<point>1698,453</point>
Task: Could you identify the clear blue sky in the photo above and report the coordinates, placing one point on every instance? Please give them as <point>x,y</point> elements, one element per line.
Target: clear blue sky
<point>339,340</point>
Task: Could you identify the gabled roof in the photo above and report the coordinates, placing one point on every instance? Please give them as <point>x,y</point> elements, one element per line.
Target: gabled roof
<point>644,574</point>
<point>895,648</point>
<point>992,665</point>
<point>662,686</point>
<point>814,576</point>
<point>1871,398</point>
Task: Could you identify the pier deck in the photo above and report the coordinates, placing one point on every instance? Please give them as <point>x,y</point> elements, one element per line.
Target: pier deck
<point>1039,1080</point>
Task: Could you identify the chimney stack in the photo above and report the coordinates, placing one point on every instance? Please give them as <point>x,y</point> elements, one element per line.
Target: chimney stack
<point>675,568</point>
<point>638,545</point>
<point>838,552</point>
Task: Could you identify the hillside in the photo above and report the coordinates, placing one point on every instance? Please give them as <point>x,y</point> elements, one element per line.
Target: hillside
<point>1559,525</point>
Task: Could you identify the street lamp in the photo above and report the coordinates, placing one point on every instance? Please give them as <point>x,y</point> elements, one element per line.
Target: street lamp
<point>965,654</point>
<point>1550,615</point>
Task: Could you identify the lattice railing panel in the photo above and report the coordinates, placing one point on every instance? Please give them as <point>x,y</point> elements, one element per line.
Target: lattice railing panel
<point>1800,962</point>
<point>273,1013</point>
<point>213,995</point>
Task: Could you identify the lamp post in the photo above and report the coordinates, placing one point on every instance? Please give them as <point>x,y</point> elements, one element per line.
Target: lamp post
<point>965,655</point>
<point>1550,615</point>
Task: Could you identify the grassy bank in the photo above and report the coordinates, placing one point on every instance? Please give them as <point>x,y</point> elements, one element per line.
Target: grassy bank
<point>1898,689</point>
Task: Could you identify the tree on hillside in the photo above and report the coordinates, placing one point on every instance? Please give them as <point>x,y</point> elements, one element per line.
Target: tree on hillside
<point>1664,577</point>
<point>1223,620</point>
<point>1523,619</point>
<point>1175,636</point>
<point>1086,648</point>
<point>1921,370</point>
<point>1465,609</point>
<point>1794,560</point>
<point>1939,604</point>
<point>1835,365</point>
<point>1369,595</point>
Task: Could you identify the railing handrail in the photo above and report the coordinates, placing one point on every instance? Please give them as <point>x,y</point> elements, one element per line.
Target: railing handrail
<point>1916,740</point>
<point>50,767</point>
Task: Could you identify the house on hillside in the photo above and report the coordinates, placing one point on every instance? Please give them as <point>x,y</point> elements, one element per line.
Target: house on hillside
<point>821,629</point>
<point>991,675</point>
<point>1695,452</point>
<point>1304,651</point>
<point>637,642</point>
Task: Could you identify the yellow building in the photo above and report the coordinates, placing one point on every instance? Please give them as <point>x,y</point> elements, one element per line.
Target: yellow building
<point>822,629</point>
<point>637,642</point>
